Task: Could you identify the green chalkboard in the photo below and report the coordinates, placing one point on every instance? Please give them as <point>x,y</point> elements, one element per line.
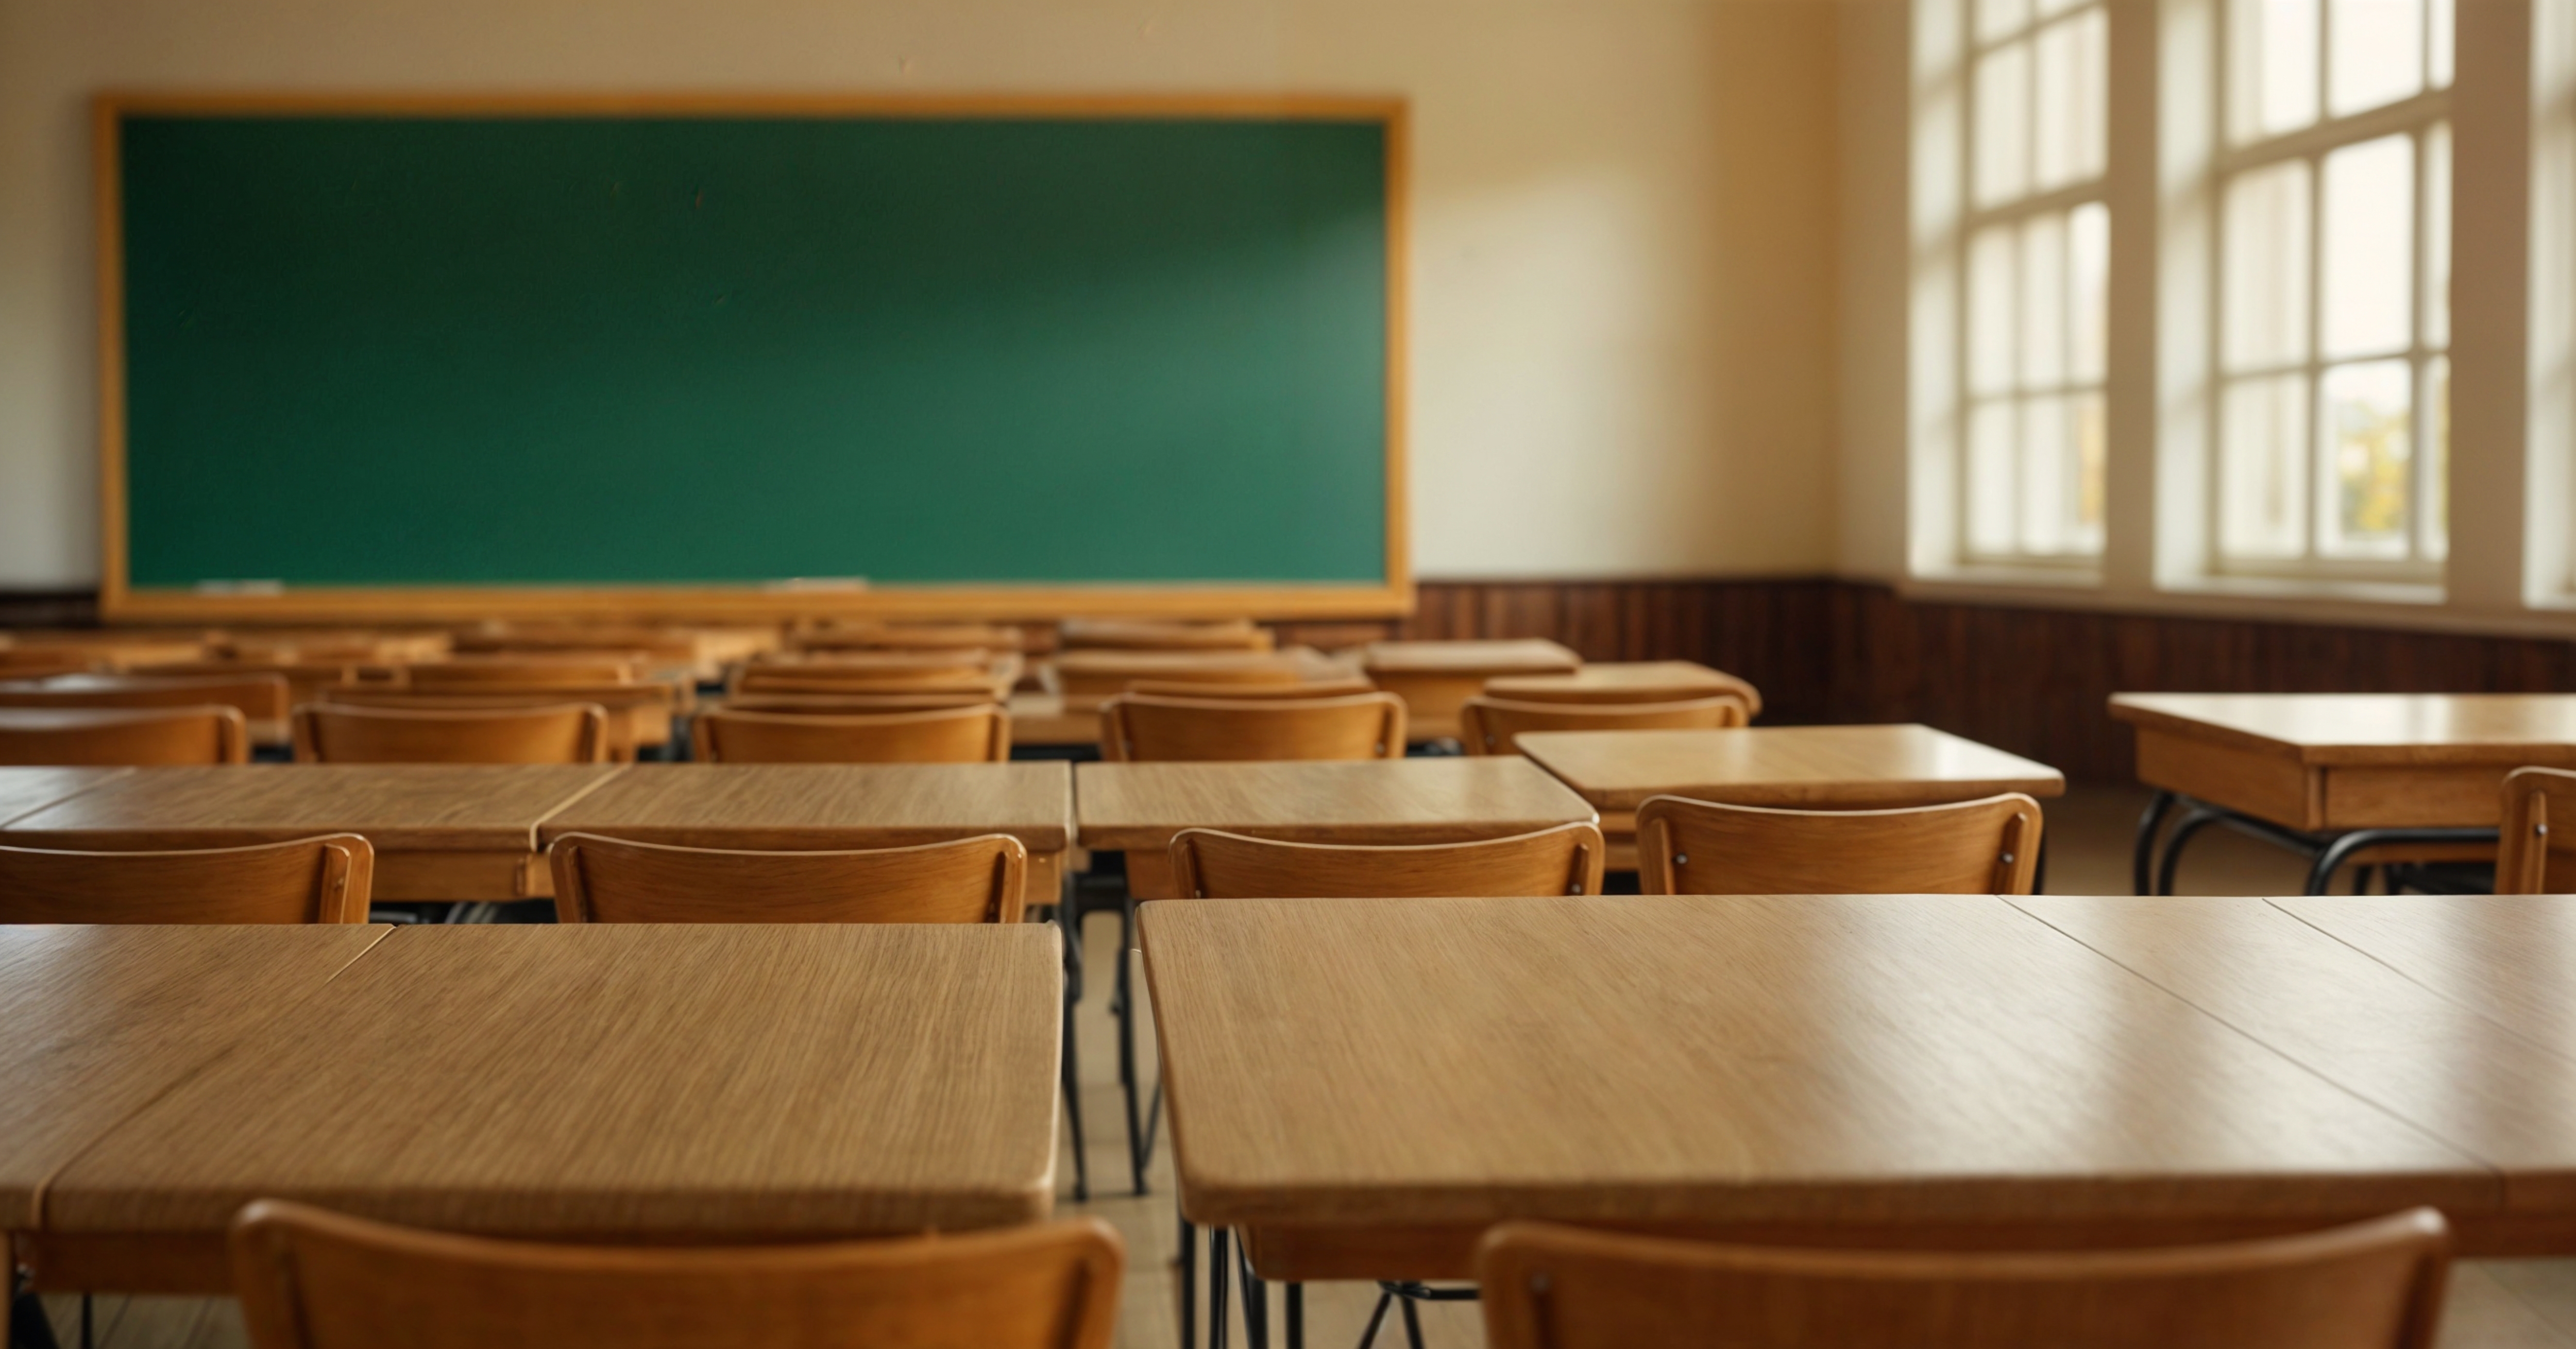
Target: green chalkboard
<point>439,350</point>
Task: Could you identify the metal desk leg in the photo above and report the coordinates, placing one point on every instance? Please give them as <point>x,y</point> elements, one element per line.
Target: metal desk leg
<point>2193,821</point>
<point>2142,857</point>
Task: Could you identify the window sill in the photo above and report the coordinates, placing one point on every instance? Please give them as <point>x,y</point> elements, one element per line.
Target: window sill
<point>2336,589</point>
<point>2006,576</point>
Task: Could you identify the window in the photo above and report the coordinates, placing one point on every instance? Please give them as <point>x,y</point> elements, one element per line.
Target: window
<point>2037,245</point>
<point>2333,305</point>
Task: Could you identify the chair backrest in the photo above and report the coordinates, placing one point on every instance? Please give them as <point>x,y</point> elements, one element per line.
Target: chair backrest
<point>914,637</point>
<point>856,704</point>
<point>1211,864</point>
<point>609,880</point>
<point>1118,634</point>
<point>2371,1285</point>
<point>1090,675</point>
<point>305,680</point>
<point>261,697</point>
<point>552,733</point>
<point>2532,856</point>
<point>309,1279</point>
<point>1241,690</point>
<point>616,667</point>
<point>1144,728</point>
<point>135,736</point>
<point>1983,847</point>
<point>1494,725</point>
<point>326,879</point>
<point>980,734</point>
<point>41,662</point>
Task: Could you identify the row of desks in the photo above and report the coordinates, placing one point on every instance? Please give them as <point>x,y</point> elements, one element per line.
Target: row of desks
<point>452,831</point>
<point>1362,1086</point>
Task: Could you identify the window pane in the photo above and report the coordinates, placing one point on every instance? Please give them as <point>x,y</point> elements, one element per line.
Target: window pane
<point>1990,310</point>
<point>2437,236</point>
<point>2069,122</point>
<point>2435,484</point>
<point>2263,488</point>
<point>2001,18</point>
<point>2092,451</point>
<point>2368,415</point>
<point>1990,478</point>
<point>2043,301</point>
<point>2088,253</point>
<point>2003,124</point>
<point>2440,26</point>
<point>2265,299</point>
<point>2376,55</point>
<point>2271,67</point>
<point>2047,449</point>
<point>2369,247</point>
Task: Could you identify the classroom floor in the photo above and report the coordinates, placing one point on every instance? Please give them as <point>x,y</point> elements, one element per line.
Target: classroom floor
<point>2494,1304</point>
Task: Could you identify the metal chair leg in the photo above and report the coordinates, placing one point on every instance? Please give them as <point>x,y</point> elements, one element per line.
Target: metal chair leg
<point>1296,1316</point>
<point>1256,1301</point>
<point>1072,1069</point>
<point>1140,1144</point>
<point>2142,857</point>
<point>1377,1317</point>
<point>1189,1273</point>
<point>1218,1277</point>
<point>1412,1323</point>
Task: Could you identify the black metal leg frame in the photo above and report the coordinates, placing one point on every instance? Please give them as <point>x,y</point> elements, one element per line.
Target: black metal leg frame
<point>2151,864</point>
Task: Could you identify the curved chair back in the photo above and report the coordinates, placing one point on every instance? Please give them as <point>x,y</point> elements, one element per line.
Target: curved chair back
<point>310,1279</point>
<point>1493,725</point>
<point>979,734</point>
<point>1212,864</point>
<point>2371,1285</point>
<point>326,879</point>
<point>261,697</point>
<point>610,880</point>
<point>616,667</point>
<point>554,733</point>
<point>857,704</point>
<point>1083,676</point>
<point>2534,854</point>
<point>36,662</point>
<point>139,736</point>
<point>1142,728</point>
<point>1983,847</point>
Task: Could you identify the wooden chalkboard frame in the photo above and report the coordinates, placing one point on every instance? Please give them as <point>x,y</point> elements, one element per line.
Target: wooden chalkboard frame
<point>120,601</point>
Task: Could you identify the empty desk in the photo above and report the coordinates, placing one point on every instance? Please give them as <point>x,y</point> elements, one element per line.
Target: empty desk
<point>24,791</point>
<point>1436,678</point>
<point>1639,681</point>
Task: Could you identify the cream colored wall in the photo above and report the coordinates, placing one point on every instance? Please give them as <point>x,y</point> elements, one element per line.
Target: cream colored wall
<point>1624,263</point>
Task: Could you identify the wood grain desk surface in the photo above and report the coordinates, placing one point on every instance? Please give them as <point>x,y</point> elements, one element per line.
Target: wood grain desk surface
<point>1640,681</point>
<point>1368,1083</point>
<point>1515,656</point>
<point>100,1020</point>
<point>1042,719</point>
<point>1826,767</point>
<point>2369,728</point>
<point>1141,805</point>
<point>632,1082</point>
<point>820,805</point>
<point>26,790</point>
<point>399,807</point>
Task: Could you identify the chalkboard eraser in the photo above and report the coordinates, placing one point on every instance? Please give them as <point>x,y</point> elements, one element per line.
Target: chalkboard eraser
<point>821,583</point>
<point>241,587</point>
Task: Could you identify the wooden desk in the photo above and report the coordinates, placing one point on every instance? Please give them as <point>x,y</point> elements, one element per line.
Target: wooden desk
<point>1366,1085</point>
<point>1084,679</point>
<point>1642,681</point>
<point>24,791</point>
<point>836,806</point>
<point>1139,806</point>
<point>640,716</point>
<point>606,1082</point>
<point>101,1020</point>
<point>1787,767</point>
<point>2506,957</point>
<point>441,831</point>
<point>2326,763</point>
<point>1041,719</point>
<point>1436,678</point>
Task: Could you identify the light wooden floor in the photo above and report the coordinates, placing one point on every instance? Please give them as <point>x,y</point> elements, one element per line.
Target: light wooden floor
<point>2521,1304</point>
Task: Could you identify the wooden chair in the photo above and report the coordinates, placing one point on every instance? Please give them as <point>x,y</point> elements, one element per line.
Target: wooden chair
<point>608,880</point>
<point>856,704</point>
<point>43,662</point>
<point>306,680</point>
<point>639,714</point>
<point>556,668</point>
<point>555,733</point>
<point>1493,725</point>
<point>310,1279</point>
<point>1115,634</point>
<point>260,697</point>
<point>133,736</point>
<point>1985,847</point>
<point>1083,678</point>
<point>913,637</point>
<point>1139,727</point>
<point>1211,864</point>
<point>2370,1285</point>
<point>1312,688</point>
<point>2531,857</point>
<point>980,734</point>
<point>325,879</point>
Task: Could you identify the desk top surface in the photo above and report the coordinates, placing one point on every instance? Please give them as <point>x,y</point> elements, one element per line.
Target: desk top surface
<point>2369,728</point>
<point>399,807</point>
<point>1749,1059</point>
<point>1786,766</point>
<point>24,791</point>
<point>624,1081</point>
<point>1382,801</point>
<point>1517,656</point>
<point>825,805</point>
